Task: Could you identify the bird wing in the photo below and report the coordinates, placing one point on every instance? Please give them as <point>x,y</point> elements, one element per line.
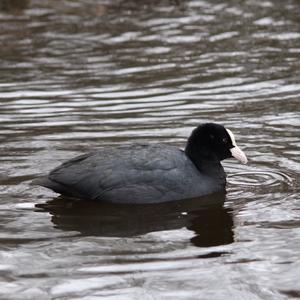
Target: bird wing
<point>145,172</point>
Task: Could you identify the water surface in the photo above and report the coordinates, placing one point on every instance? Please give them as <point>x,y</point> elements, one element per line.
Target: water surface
<point>77,75</point>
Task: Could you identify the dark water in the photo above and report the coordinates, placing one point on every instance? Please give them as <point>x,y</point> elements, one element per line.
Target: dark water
<point>77,75</point>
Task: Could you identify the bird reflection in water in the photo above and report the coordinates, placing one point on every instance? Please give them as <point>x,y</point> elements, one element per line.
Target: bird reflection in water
<point>206,217</point>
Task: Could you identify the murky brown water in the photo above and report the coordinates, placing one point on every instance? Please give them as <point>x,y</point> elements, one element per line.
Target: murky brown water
<point>76,75</point>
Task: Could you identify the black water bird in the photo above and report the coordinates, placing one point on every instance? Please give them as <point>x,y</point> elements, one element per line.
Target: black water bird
<point>149,173</point>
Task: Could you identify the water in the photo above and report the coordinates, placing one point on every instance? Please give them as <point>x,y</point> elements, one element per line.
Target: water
<point>77,75</point>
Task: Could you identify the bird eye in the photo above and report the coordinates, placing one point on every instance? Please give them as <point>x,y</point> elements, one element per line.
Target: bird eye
<point>225,140</point>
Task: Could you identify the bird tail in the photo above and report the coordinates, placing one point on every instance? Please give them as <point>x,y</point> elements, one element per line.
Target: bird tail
<point>57,187</point>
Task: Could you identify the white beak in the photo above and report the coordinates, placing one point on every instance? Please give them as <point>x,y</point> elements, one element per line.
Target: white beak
<point>239,154</point>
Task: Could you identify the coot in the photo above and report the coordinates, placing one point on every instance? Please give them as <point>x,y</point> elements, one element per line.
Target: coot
<point>149,173</point>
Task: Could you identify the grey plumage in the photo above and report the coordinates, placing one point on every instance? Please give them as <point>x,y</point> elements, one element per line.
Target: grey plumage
<point>139,173</point>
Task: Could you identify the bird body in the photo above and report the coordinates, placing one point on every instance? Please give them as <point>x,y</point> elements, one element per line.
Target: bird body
<point>145,173</point>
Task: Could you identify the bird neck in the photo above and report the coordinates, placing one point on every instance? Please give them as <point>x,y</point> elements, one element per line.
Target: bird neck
<point>205,161</point>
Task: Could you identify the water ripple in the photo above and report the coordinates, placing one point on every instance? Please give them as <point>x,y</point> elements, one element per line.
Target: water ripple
<point>259,179</point>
